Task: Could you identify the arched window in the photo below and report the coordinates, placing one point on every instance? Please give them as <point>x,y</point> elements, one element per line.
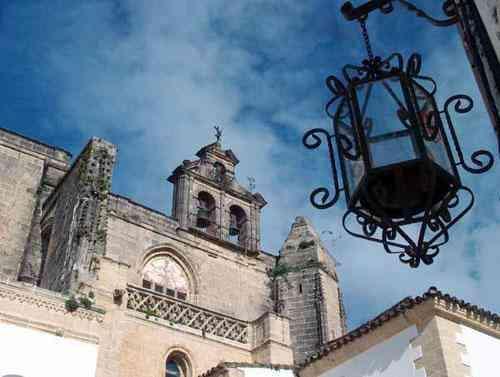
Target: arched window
<point>177,365</point>
<point>237,225</point>
<point>165,275</point>
<point>205,217</point>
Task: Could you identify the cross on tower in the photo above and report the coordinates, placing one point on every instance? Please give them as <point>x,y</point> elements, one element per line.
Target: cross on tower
<point>218,133</point>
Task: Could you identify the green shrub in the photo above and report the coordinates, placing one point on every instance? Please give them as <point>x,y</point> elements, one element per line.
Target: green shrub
<point>71,304</point>
<point>85,302</point>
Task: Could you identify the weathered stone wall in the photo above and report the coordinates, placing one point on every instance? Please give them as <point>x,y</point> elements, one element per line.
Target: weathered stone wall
<point>82,239</point>
<point>479,27</point>
<point>28,172</point>
<point>78,208</point>
<point>129,344</point>
<point>226,280</point>
<point>308,291</point>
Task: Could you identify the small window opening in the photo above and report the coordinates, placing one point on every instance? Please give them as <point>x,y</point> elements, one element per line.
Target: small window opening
<point>146,284</point>
<point>159,288</point>
<point>173,369</point>
<point>237,225</point>
<point>205,218</point>
<point>300,288</point>
<point>170,292</point>
<point>177,365</point>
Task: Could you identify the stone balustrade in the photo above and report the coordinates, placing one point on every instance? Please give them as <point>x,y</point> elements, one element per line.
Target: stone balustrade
<point>179,312</point>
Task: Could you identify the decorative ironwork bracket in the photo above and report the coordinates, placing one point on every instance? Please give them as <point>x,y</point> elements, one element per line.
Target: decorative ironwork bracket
<point>360,13</point>
<point>416,238</point>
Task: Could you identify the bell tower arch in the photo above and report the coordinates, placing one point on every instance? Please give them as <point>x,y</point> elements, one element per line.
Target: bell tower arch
<point>208,199</point>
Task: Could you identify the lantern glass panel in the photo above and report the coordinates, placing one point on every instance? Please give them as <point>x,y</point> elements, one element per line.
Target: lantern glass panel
<point>352,160</point>
<point>386,123</point>
<point>431,127</point>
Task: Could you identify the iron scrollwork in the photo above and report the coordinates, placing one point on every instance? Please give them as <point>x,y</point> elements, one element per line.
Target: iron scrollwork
<point>482,159</point>
<point>312,140</point>
<point>396,239</point>
<point>352,13</point>
<point>353,127</point>
<point>449,9</point>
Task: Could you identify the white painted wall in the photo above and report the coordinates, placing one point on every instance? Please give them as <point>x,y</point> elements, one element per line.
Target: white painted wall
<point>391,358</point>
<point>483,352</point>
<point>267,372</point>
<point>32,353</point>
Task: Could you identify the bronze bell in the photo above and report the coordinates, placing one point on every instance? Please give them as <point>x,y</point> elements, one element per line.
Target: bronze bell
<point>234,227</point>
<point>203,218</point>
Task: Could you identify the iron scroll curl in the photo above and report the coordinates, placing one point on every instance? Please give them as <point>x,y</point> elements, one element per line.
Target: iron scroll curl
<point>386,6</point>
<point>482,159</point>
<point>449,8</point>
<point>320,197</point>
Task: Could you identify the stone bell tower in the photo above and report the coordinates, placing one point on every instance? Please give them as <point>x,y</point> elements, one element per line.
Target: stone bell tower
<point>208,200</point>
<point>308,291</point>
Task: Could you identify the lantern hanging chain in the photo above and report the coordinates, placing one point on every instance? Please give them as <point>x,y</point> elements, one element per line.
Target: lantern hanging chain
<point>366,38</point>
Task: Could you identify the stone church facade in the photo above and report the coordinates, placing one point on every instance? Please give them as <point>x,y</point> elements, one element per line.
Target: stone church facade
<point>95,284</point>
<point>130,291</point>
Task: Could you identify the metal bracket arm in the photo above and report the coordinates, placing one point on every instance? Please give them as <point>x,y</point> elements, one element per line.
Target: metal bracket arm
<point>352,13</point>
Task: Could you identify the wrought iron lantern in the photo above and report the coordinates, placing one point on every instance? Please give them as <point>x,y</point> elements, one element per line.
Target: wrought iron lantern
<point>398,155</point>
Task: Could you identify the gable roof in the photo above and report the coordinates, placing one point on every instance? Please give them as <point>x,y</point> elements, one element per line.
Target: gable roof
<point>403,306</point>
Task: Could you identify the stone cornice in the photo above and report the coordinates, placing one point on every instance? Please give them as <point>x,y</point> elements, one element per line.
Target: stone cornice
<point>26,143</point>
<point>133,212</point>
<point>41,298</point>
<point>471,315</point>
<point>245,196</point>
<point>226,244</point>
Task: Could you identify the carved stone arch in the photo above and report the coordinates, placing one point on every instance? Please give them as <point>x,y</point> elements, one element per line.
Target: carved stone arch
<point>178,351</point>
<point>244,237</point>
<point>168,250</point>
<point>206,200</point>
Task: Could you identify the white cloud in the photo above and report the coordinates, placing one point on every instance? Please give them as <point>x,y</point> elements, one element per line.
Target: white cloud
<point>155,77</point>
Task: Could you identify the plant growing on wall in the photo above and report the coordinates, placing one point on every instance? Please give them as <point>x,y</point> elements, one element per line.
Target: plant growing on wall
<point>149,312</point>
<point>279,271</point>
<point>71,304</point>
<point>84,301</point>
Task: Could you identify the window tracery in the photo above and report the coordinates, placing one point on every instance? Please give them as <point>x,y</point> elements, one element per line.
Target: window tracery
<point>165,275</point>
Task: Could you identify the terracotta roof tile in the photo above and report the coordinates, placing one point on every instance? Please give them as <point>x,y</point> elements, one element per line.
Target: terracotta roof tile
<point>394,311</point>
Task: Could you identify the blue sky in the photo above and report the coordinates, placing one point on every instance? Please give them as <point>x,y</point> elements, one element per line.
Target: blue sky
<point>154,77</point>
